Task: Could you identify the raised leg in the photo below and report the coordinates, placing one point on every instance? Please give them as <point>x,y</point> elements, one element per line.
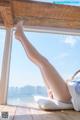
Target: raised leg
<point>51,77</point>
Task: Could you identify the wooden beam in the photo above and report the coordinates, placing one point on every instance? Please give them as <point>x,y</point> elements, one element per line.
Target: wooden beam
<point>6,13</point>
<point>39,14</point>
<point>46,14</point>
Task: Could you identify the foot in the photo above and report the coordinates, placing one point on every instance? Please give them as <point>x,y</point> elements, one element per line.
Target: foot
<point>19,30</point>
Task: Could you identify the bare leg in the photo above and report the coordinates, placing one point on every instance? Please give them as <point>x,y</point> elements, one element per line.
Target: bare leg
<point>51,77</point>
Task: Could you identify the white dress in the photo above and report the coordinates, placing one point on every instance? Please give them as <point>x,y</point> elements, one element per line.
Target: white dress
<point>74,89</point>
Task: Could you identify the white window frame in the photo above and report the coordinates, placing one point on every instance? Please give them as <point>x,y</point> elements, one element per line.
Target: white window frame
<point>7,55</point>
<point>5,67</point>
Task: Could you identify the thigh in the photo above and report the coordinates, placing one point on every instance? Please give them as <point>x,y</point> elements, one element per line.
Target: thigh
<point>55,82</point>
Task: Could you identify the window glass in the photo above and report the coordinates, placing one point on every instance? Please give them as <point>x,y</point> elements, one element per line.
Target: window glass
<point>25,78</point>
<point>2,41</point>
<point>65,2</point>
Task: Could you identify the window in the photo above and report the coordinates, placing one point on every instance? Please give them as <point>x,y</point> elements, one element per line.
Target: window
<point>65,2</point>
<point>25,78</point>
<point>2,41</point>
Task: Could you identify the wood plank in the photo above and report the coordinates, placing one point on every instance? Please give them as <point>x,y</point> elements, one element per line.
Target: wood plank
<point>38,114</point>
<point>22,114</point>
<point>7,16</point>
<point>46,10</point>
<point>55,115</point>
<point>46,14</point>
<point>40,14</point>
<point>1,109</point>
<point>6,12</point>
<point>10,109</point>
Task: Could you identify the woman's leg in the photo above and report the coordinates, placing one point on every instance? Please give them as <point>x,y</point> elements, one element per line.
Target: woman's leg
<point>51,77</point>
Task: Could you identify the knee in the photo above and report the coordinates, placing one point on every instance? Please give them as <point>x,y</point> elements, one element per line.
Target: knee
<point>44,62</point>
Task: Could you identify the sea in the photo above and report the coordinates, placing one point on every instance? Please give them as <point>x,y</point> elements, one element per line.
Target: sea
<point>20,101</point>
<point>24,95</point>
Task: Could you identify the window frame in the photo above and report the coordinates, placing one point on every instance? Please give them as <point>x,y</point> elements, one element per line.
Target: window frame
<point>8,50</point>
<point>5,66</point>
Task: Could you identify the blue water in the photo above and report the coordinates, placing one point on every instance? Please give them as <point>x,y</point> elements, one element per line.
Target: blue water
<point>24,95</point>
<point>20,100</point>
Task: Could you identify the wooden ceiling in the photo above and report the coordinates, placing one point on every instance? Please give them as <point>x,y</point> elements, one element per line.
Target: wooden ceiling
<point>39,14</point>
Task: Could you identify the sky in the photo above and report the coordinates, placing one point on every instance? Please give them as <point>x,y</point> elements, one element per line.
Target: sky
<point>2,40</point>
<point>61,50</point>
<point>68,2</point>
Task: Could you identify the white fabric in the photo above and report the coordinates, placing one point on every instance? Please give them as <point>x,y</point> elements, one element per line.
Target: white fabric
<point>74,89</point>
<point>51,104</point>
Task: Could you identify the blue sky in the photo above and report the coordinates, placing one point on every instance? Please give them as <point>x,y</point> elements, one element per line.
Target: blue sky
<point>61,50</point>
<point>2,40</point>
<point>68,2</point>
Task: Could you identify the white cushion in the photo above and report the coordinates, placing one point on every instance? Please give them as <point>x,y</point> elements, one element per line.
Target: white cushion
<point>51,104</point>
